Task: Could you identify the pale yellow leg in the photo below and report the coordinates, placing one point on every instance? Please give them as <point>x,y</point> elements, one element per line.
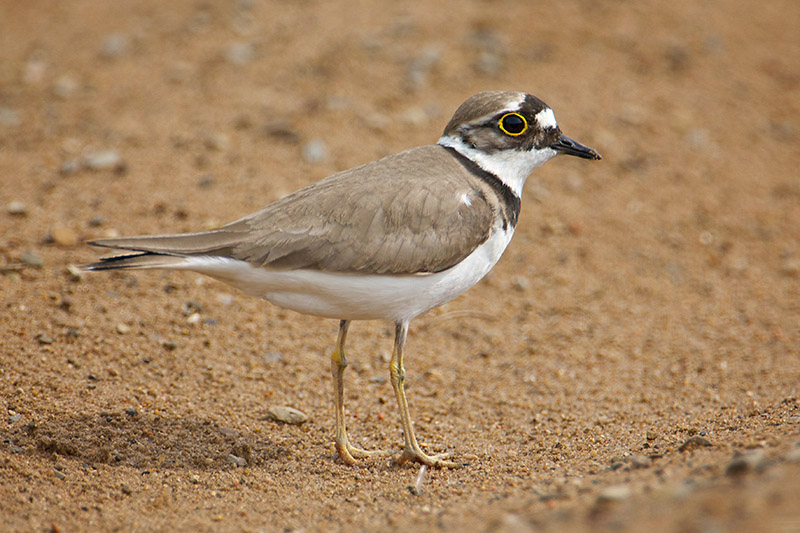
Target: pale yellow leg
<point>411,449</point>
<point>346,451</point>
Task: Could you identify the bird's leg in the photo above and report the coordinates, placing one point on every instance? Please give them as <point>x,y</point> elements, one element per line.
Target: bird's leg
<point>346,451</point>
<point>411,449</point>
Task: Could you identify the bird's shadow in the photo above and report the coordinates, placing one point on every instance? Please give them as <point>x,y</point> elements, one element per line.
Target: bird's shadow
<point>151,442</point>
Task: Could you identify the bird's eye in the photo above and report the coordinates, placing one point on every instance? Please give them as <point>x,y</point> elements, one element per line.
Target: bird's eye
<point>513,124</point>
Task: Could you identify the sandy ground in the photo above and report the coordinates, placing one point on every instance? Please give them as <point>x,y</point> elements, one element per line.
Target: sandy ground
<point>631,364</point>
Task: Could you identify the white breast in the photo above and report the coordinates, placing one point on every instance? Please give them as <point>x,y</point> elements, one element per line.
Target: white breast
<point>356,296</point>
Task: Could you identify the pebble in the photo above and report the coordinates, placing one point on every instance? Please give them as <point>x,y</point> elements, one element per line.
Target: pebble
<point>206,181</point>
<point>422,65</point>
<point>693,443</point>
<point>65,86</point>
<point>272,357</point>
<point>9,117</point>
<point>791,268</point>
<point>170,345</point>
<point>750,461</point>
<point>31,259</point>
<point>315,151</point>
<point>521,283</point>
<point>794,455</point>
<point>35,68</point>
<point>74,273</point>
<point>637,461</point>
<point>287,415</point>
<point>615,493</point>
<point>17,209</point>
<point>104,160</point>
<point>236,460</point>
<point>191,307</point>
<point>282,130</point>
<point>63,235</point>
<point>14,418</point>
<point>115,45</point>
<point>122,329</point>
<point>492,48</point>
<point>44,339</point>
<point>240,53</point>
<point>224,298</point>
<point>217,141</point>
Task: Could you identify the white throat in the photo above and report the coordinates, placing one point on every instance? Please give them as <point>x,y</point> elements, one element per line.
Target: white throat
<point>512,166</point>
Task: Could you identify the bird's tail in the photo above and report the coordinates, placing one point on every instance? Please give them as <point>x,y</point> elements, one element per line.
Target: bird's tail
<point>163,251</point>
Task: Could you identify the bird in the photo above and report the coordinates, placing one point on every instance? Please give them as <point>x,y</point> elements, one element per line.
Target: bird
<point>388,240</point>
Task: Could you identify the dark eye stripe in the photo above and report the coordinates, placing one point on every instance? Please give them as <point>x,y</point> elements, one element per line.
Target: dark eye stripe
<point>513,124</point>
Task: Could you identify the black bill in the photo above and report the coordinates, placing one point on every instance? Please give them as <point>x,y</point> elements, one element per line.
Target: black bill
<point>565,145</point>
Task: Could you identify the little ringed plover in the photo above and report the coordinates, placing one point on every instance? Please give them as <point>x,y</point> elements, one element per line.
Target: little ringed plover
<point>388,240</point>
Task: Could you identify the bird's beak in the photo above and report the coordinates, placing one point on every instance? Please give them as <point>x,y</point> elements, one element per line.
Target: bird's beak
<point>565,145</point>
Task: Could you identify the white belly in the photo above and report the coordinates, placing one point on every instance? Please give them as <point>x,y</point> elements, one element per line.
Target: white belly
<point>356,296</point>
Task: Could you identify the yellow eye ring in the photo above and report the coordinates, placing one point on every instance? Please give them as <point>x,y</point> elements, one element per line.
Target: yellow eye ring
<point>513,124</point>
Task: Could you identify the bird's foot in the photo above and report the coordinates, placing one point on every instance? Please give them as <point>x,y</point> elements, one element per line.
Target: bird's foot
<point>349,454</point>
<point>416,455</point>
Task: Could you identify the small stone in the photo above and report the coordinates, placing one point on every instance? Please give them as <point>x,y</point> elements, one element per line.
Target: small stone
<point>126,490</point>
<point>637,461</point>
<point>750,461</point>
<point>44,339</point>
<point>794,455</point>
<point>169,345</point>
<point>693,443</point>
<point>194,479</point>
<point>272,357</point>
<point>62,235</point>
<point>282,130</point>
<point>17,209</point>
<point>65,86</point>
<point>236,460</point>
<point>521,283</point>
<point>422,65</point>
<point>791,267</point>
<point>122,329</point>
<point>35,68</point>
<point>74,273</point>
<point>104,160</point>
<point>205,181</point>
<point>615,493</point>
<point>224,298</point>
<point>131,411</point>
<point>31,259</point>
<point>14,418</point>
<point>217,141</point>
<point>651,435</point>
<point>9,117</point>
<point>191,307</point>
<point>240,53</point>
<point>70,167</point>
<point>314,151</point>
<point>194,318</point>
<point>115,45</point>
<point>287,415</point>
<point>59,475</point>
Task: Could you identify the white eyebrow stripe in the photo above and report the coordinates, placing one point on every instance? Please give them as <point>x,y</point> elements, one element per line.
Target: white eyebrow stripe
<point>546,118</point>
